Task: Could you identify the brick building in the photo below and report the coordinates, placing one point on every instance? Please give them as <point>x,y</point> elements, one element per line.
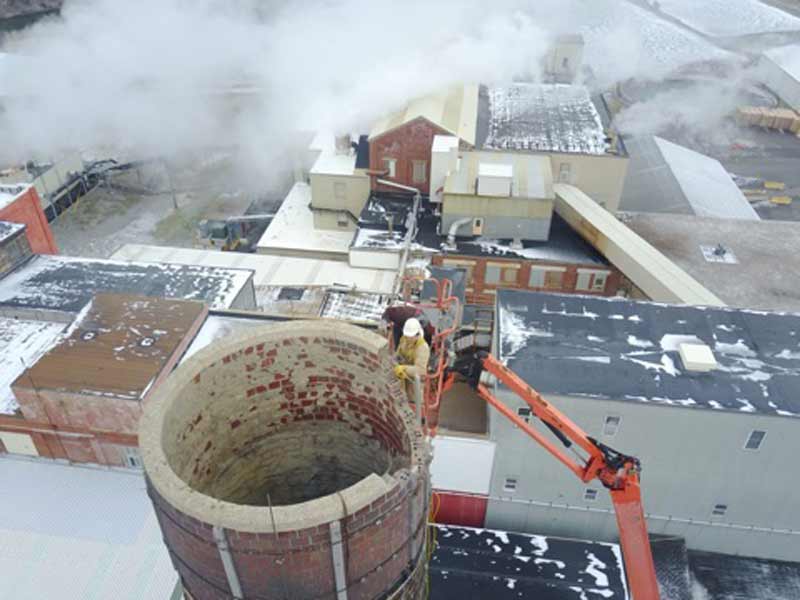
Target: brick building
<point>81,401</point>
<point>565,263</point>
<point>21,204</point>
<point>400,144</point>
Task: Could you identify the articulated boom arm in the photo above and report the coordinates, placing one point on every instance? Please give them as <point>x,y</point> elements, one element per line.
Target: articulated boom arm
<point>617,472</point>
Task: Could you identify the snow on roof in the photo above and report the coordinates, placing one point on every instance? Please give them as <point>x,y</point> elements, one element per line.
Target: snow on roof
<point>330,162</point>
<point>65,283</point>
<point>22,342</point>
<point>705,183</point>
<point>80,532</point>
<point>488,563</point>
<point>544,118</point>
<point>8,230</point>
<point>721,18</point>
<point>455,110</point>
<point>10,192</point>
<point>623,350</point>
<point>379,239</point>
<point>787,58</point>
<point>292,230</point>
<point>270,270</point>
<point>354,307</point>
<point>220,326</point>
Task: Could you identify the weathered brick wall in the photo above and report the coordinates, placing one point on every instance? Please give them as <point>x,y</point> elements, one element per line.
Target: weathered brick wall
<point>480,292</point>
<point>413,141</point>
<point>303,413</point>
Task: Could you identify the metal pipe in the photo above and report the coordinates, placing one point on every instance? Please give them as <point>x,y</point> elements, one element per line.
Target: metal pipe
<point>451,233</point>
<point>412,229</point>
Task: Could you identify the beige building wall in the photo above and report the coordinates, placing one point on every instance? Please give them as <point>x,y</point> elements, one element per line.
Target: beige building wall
<point>457,204</point>
<point>338,193</point>
<point>602,176</point>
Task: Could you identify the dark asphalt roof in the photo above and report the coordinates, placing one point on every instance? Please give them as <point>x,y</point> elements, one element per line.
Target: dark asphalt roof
<point>67,284</point>
<point>563,246</point>
<point>481,563</point>
<point>624,350</point>
<point>382,206</point>
<point>724,577</point>
<point>9,230</point>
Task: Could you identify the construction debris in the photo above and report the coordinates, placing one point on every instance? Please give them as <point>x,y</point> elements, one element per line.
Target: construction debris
<point>781,119</point>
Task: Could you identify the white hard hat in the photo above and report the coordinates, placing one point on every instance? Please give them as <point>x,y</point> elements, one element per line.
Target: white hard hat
<point>412,328</point>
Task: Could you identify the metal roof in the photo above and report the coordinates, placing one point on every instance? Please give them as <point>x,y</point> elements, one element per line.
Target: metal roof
<point>79,533</point>
<point>116,347</point>
<point>455,110</point>
<point>668,178</point>
<point>787,58</point>
<point>617,349</point>
<point>541,118</point>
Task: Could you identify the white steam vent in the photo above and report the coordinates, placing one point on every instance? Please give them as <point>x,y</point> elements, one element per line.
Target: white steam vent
<point>495,179</point>
<point>697,357</point>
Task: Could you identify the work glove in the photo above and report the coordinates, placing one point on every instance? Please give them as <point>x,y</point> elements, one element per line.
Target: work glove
<point>400,372</point>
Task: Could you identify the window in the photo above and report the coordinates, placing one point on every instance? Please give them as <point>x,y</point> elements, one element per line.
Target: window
<point>590,495</point>
<point>132,458</point>
<point>719,510</point>
<point>497,274</point>
<point>565,63</point>
<point>549,278</point>
<point>419,171</point>
<point>467,265</point>
<point>340,191</point>
<point>564,173</point>
<point>525,414</point>
<point>591,281</point>
<point>342,220</point>
<point>390,164</point>
<point>291,293</point>
<point>755,439</point>
<point>510,484</point>
<point>611,425</point>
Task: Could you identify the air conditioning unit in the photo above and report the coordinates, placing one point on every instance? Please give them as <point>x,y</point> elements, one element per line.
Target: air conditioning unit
<point>477,226</point>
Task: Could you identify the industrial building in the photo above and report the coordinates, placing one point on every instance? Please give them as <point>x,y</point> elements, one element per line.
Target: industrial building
<point>21,204</point>
<point>705,397</point>
<point>667,178</point>
<point>779,70</point>
<point>561,122</point>
<point>81,400</point>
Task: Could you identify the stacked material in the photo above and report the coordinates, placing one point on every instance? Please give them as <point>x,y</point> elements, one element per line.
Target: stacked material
<point>783,119</point>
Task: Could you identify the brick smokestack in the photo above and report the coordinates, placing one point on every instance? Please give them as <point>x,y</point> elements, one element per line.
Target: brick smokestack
<point>286,463</point>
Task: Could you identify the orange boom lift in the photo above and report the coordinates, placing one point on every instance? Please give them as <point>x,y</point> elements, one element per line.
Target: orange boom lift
<point>618,472</point>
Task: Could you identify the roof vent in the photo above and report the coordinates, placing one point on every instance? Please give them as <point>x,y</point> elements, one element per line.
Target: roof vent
<point>697,357</point>
<point>719,254</point>
<point>494,179</point>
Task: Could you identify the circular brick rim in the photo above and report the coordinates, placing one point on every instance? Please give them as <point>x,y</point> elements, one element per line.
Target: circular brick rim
<point>259,519</point>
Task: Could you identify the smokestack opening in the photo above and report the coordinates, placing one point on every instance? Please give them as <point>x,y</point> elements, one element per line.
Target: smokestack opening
<point>291,441</point>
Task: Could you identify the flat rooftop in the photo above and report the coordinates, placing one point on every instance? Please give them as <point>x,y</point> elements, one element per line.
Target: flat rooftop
<point>65,283</point>
<point>486,563</point>
<point>563,246</point>
<point>292,230</point>
<point>269,270</point>
<point>79,532</point>
<point>117,346</point>
<point>741,278</point>
<point>329,161</point>
<point>787,58</point>
<point>621,350</point>
<point>536,117</point>
<point>10,192</point>
<point>9,230</point>
<point>22,343</point>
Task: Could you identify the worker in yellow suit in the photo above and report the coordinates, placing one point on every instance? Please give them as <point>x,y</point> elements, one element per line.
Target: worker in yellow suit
<point>412,354</point>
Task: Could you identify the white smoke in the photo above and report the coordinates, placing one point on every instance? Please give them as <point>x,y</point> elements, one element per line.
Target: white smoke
<point>152,74</point>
